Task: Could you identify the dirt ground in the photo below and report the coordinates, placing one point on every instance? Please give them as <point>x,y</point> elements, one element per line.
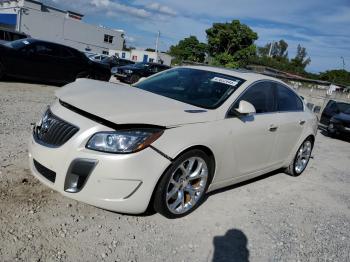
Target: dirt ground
<point>274,218</point>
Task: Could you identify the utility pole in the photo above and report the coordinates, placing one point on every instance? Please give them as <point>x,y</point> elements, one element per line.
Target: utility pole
<point>157,45</point>
<point>272,44</point>
<point>343,62</point>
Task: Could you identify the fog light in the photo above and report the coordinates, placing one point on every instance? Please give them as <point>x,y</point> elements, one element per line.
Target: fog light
<point>78,173</point>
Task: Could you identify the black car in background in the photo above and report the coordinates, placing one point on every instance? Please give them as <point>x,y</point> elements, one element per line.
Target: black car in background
<point>9,35</point>
<point>48,62</point>
<point>132,73</point>
<point>336,118</point>
<point>114,61</point>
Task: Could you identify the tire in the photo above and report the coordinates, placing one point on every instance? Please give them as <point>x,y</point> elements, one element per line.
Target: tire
<point>301,159</point>
<point>82,75</point>
<point>181,189</point>
<point>134,79</point>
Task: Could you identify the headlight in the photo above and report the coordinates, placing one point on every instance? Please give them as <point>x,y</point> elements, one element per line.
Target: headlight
<point>123,141</point>
<point>128,71</point>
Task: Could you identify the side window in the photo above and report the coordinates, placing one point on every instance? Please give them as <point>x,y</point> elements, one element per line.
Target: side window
<point>47,49</point>
<point>66,53</point>
<point>42,49</point>
<point>288,100</point>
<point>261,96</point>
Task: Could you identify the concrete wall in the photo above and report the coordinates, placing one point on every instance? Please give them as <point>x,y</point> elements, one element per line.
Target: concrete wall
<point>317,94</point>
<point>51,24</point>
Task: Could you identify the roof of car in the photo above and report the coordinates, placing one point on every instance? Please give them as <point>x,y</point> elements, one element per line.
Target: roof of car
<point>158,64</point>
<point>240,73</point>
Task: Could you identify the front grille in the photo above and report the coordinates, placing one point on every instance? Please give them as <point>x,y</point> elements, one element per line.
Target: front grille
<point>44,171</point>
<point>53,131</point>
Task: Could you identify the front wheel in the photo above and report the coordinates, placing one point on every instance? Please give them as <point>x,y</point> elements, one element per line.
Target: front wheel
<point>301,159</point>
<point>182,188</point>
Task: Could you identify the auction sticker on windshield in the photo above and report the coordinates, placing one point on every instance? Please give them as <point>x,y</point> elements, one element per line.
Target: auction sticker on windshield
<point>224,81</point>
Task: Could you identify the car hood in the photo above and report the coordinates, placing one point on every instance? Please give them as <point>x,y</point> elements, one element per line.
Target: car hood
<point>342,117</point>
<point>129,67</point>
<point>123,104</point>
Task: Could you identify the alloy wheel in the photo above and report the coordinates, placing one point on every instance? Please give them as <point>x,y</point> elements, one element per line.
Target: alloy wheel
<point>303,156</point>
<point>187,184</point>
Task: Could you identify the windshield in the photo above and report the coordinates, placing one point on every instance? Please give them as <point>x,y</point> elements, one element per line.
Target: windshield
<point>192,86</point>
<point>343,107</point>
<point>18,44</point>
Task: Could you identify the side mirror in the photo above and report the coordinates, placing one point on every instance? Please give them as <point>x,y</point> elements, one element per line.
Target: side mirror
<point>245,108</point>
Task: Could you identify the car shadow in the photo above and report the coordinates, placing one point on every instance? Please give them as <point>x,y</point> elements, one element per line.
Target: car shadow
<point>247,182</point>
<point>150,210</point>
<point>338,137</point>
<point>231,247</point>
<point>9,79</point>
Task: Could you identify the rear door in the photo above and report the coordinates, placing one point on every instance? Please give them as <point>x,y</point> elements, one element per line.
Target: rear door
<point>70,64</point>
<point>48,60</point>
<point>253,137</point>
<point>291,118</point>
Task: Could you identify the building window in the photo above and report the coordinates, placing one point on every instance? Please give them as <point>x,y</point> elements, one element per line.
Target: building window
<point>105,52</point>
<point>123,55</point>
<point>108,39</point>
<point>151,60</point>
<point>134,57</point>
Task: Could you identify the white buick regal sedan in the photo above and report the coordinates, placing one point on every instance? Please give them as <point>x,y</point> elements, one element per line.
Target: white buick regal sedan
<point>170,138</point>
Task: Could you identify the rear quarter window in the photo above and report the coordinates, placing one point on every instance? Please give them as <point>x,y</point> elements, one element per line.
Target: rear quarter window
<point>287,100</point>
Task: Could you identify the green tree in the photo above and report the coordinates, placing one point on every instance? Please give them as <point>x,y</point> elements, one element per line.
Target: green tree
<point>301,60</point>
<point>188,49</point>
<point>341,77</point>
<point>150,49</point>
<point>231,42</point>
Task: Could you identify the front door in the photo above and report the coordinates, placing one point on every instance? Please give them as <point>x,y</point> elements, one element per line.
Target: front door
<point>254,136</point>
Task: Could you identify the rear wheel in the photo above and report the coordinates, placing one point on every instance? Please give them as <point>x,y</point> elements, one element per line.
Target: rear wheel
<point>301,159</point>
<point>82,75</point>
<point>182,188</point>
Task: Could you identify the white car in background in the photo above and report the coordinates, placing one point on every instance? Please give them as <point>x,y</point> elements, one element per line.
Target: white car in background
<point>169,139</point>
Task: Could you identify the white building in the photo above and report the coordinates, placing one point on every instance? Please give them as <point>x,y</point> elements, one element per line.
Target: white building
<point>143,56</point>
<point>61,26</point>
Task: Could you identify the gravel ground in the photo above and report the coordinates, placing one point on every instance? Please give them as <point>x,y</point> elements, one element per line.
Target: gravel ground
<point>274,218</point>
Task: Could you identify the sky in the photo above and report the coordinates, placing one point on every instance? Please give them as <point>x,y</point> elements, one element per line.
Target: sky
<point>323,27</point>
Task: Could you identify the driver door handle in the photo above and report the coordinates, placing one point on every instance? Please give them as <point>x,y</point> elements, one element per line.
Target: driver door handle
<point>273,128</point>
